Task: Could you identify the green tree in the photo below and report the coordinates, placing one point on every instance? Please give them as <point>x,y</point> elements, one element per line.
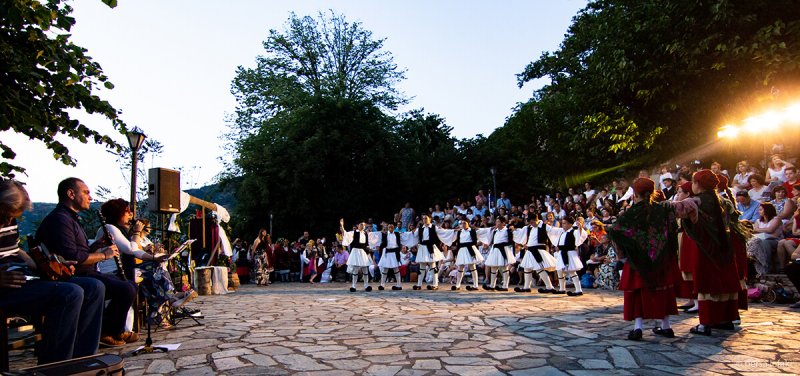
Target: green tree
<point>310,136</point>
<point>638,82</point>
<point>43,75</point>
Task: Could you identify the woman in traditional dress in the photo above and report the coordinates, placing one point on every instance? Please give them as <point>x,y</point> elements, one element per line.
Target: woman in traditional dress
<point>687,256</point>
<point>716,277</point>
<point>358,262</point>
<point>647,235</point>
<point>500,256</point>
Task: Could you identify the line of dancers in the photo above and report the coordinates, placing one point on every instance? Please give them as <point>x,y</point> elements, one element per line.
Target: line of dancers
<point>545,248</point>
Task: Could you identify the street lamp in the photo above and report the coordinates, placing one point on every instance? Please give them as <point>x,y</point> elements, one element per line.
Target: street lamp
<point>270,224</point>
<point>493,170</point>
<point>135,141</point>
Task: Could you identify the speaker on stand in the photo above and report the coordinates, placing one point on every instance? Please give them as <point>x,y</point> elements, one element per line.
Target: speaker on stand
<point>164,198</point>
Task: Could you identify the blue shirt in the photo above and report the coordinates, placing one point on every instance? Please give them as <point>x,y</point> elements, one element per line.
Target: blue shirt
<point>749,213</point>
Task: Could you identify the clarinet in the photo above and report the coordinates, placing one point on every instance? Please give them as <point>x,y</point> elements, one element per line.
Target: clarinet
<point>107,238</point>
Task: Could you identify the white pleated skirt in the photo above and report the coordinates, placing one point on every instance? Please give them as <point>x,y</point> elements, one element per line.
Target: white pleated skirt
<point>423,256</point>
<point>388,260</point>
<point>575,263</point>
<point>529,262</point>
<point>465,258</point>
<point>495,258</point>
<point>358,259</point>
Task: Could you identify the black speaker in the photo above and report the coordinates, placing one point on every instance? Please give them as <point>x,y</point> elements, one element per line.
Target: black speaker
<point>164,191</point>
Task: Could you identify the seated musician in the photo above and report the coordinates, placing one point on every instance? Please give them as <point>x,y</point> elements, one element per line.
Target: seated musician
<point>62,234</point>
<point>72,311</point>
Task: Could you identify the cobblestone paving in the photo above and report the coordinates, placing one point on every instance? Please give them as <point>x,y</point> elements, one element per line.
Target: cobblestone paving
<point>326,330</point>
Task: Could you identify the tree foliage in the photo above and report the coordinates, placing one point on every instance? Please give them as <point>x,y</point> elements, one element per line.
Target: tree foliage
<point>640,81</point>
<point>43,75</point>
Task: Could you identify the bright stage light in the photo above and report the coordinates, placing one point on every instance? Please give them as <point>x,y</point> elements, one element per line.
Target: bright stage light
<point>792,114</point>
<point>728,131</point>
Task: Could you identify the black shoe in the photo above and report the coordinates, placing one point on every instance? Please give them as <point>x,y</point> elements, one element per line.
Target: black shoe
<point>686,306</point>
<point>559,292</point>
<point>470,288</point>
<point>498,288</point>
<point>518,289</point>
<point>417,287</point>
<point>547,291</point>
<point>429,287</point>
<point>380,288</point>
<point>396,288</point>
<point>433,287</point>
<point>368,289</point>
<point>486,287</point>
<point>352,289</point>
<point>724,326</point>
<point>690,311</point>
<point>635,335</point>
<point>453,288</point>
<point>572,293</point>
<point>664,332</point>
<point>696,330</point>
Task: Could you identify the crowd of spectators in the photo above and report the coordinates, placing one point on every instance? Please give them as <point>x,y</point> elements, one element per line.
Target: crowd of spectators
<point>767,199</point>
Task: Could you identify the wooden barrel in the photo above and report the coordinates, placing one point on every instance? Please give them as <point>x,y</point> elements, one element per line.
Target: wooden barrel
<point>204,281</point>
<point>233,281</point>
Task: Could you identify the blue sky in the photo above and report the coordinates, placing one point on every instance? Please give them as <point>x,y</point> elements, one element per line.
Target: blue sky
<point>172,63</point>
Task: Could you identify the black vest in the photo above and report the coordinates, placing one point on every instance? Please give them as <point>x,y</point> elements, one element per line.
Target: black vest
<point>356,240</point>
<point>385,243</point>
<point>500,246</point>
<point>473,237</point>
<point>433,239</point>
<point>541,233</point>
<point>569,245</point>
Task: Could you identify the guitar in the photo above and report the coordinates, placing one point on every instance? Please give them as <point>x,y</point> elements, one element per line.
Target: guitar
<point>107,239</point>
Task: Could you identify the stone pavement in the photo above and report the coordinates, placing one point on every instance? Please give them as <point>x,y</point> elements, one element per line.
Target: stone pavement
<point>326,330</point>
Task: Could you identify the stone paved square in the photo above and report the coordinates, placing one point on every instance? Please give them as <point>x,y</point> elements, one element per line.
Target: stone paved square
<point>303,329</point>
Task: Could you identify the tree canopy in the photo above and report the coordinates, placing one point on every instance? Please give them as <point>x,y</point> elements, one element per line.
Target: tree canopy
<point>43,75</point>
<point>641,81</point>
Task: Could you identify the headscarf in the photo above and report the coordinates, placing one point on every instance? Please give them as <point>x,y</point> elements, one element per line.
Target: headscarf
<point>687,187</point>
<point>641,185</point>
<point>706,179</point>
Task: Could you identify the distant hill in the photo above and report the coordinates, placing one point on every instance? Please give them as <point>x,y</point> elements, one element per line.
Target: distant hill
<point>30,220</point>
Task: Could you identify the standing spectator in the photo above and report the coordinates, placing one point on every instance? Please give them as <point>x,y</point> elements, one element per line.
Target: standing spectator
<point>747,206</point>
<point>282,264</point>
<point>480,198</point>
<point>405,261</point>
<point>741,181</point>
<point>72,311</point>
<point>503,202</point>
<point>668,189</point>
<point>665,174</point>
<point>406,215</point>
<point>303,239</point>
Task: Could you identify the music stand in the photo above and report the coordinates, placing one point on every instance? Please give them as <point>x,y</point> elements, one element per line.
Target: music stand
<point>148,347</point>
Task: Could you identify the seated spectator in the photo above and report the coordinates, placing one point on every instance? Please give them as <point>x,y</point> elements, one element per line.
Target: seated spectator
<point>339,272</point>
<point>759,192</point>
<point>793,272</point>
<point>776,173</point>
<point>607,218</point>
<point>405,261</point>
<point>789,245</point>
<point>784,206</point>
<point>72,311</point>
<point>606,256</point>
<point>791,180</point>
<point>768,231</point>
<point>747,206</point>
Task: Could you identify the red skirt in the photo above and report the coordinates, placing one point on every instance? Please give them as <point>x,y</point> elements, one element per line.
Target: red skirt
<point>687,256</point>
<point>740,253</point>
<point>718,289</point>
<point>649,302</point>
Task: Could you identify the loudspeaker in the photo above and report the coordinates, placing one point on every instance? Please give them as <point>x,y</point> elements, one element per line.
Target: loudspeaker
<point>163,191</point>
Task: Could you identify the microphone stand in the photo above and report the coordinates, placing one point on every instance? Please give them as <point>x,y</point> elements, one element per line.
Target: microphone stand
<point>148,342</point>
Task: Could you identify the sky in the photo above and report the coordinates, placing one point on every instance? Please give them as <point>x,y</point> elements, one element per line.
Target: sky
<point>172,63</point>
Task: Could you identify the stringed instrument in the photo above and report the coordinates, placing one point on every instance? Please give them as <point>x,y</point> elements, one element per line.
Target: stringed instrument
<point>50,266</point>
<point>108,240</point>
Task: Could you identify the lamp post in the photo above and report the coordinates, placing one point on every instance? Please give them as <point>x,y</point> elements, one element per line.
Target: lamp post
<point>270,224</point>
<point>135,141</point>
<point>493,170</point>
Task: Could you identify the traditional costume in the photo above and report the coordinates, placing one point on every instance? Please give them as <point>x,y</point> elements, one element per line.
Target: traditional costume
<point>500,257</point>
<point>465,253</point>
<point>390,258</point>
<point>534,237</point>
<point>568,261</point>
<point>428,255</point>
<point>647,236</point>
<point>716,277</point>
<point>358,262</point>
